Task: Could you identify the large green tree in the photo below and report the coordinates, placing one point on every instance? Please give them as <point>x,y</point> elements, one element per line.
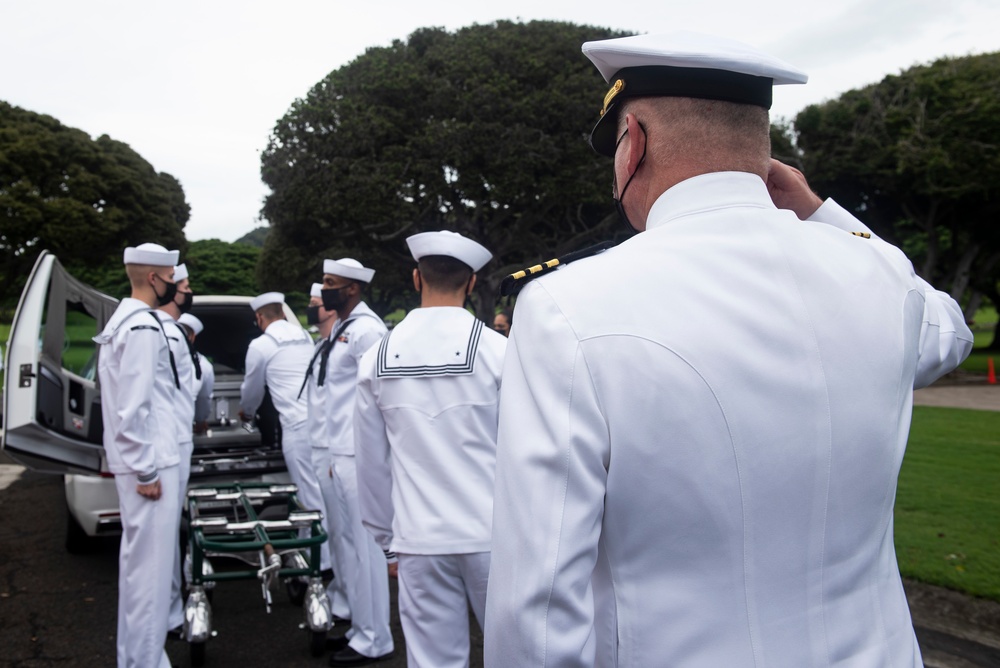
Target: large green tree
<point>221,268</point>
<point>482,131</point>
<point>917,155</point>
<point>83,199</point>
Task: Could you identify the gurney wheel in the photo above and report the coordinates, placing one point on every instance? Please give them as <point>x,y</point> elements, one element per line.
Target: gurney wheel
<point>197,654</point>
<point>317,643</point>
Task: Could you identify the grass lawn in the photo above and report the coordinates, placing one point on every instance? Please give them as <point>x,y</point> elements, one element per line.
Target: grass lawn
<point>948,501</point>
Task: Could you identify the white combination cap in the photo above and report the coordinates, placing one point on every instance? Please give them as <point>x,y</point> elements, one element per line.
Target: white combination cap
<point>192,322</point>
<point>267,298</point>
<point>153,255</point>
<point>348,268</point>
<point>316,290</point>
<point>682,64</point>
<point>180,273</point>
<point>451,244</point>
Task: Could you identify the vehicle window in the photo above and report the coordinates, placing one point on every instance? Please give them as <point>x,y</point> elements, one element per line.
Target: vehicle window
<point>79,349</point>
<point>229,329</point>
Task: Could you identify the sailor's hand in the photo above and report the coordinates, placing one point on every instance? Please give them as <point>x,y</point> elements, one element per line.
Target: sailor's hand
<point>789,190</point>
<point>201,427</point>
<point>244,417</point>
<point>150,491</point>
<point>394,569</point>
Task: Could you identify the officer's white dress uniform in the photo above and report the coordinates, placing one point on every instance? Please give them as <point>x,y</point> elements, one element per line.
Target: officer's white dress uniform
<point>361,562</point>
<point>140,442</point>
<point>706,478</point>
<point>425,427</point>
<point>756,406</point>
<point>183,414</point>
<point>276,361</point>
<point>336,590</point>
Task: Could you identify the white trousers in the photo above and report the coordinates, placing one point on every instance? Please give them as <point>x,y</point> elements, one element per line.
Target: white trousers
<point>145,565</point>
<point>364,568</point>
<point>336,591</point>
<point>297,451</point>
<point>176,616</point>
<point>435,593</point>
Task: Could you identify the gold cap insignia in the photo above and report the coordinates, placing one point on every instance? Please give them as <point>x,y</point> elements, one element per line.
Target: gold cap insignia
<point>618,86</point>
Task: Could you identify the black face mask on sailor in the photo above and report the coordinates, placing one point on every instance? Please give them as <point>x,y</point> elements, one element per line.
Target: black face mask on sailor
<point>312,315</point>
<point>187,300</point>
<point>334,298</point>
<point>168,294</point>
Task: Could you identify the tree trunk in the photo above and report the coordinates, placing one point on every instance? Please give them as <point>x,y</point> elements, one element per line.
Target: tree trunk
<point>960,281</point>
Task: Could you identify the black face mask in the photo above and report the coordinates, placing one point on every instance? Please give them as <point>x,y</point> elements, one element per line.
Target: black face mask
<point>168,295</point>
<point>333,300</point>
<point>312,315</point>
<point>187,299</point>
<point>619,207</point>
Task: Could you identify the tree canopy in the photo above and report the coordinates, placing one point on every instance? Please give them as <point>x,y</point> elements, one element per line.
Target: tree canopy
<point>917,156</point>
<point>482,131</point>
<point>83,199</point>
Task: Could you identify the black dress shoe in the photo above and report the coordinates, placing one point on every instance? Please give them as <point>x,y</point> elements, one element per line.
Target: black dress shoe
<point>350,657</point>
<point>338,643</point>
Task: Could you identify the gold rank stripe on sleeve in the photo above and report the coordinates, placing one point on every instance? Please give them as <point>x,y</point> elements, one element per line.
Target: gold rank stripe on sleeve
<point>863,235</point>
<point>513,283</point>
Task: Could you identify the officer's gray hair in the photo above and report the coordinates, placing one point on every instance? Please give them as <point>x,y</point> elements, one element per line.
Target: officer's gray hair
<point>719,135</point>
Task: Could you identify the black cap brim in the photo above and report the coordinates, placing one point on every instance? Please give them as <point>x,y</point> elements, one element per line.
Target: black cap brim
<point>667,81</point>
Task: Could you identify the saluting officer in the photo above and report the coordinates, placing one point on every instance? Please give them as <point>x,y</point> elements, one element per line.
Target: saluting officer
<point>425,428</point>
<point>362,564</point>
<point>323,320</point>
<point>699,470</point>
<point>274,362</point>
<point>139,388</point>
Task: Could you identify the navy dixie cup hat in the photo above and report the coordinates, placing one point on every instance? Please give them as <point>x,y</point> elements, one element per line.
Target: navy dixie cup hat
<point>681,64</point>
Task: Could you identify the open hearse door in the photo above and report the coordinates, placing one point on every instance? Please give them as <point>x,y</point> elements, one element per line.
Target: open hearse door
<point>52,409</point>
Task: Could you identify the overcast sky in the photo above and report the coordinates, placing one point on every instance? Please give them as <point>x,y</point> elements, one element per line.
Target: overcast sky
<point>195,86</point>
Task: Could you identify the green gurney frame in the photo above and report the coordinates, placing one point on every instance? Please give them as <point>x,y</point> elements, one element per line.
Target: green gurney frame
<point>241,532</point>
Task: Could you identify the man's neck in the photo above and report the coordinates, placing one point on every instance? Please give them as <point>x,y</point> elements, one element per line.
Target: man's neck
<point>148,297</point>
<point>431,298</point>
<point>345,313</point>
<point>171,309</point>
<point>326,327</point>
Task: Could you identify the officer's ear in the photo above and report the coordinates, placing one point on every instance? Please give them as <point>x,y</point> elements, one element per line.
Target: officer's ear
<point>417,283</point>
<point>472,284</point>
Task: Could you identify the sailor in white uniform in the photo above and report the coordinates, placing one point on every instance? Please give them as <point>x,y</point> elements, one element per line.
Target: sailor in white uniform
<point>425,427</point>
<point>204,378</point>
<point>362,564</point>
<point>183,416</point>
<point>275,361</point>
<point>139,385</point>
<point>323,320</point>
<point>701,428</point>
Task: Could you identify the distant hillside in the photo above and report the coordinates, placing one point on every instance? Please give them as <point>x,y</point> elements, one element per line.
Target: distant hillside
<point>255,237</point>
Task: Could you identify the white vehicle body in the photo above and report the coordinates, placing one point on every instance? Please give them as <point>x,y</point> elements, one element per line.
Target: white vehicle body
<point>52,415</point>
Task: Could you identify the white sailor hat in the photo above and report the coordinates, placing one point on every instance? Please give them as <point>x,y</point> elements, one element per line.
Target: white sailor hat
<point>682,64</point>
<point>451,244</point>
<point>191,321</point>
<point>348,268</point>
<point>180,273</point>
<point>153,255</point>
<point>267,298</point>
<point>316,290</point>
